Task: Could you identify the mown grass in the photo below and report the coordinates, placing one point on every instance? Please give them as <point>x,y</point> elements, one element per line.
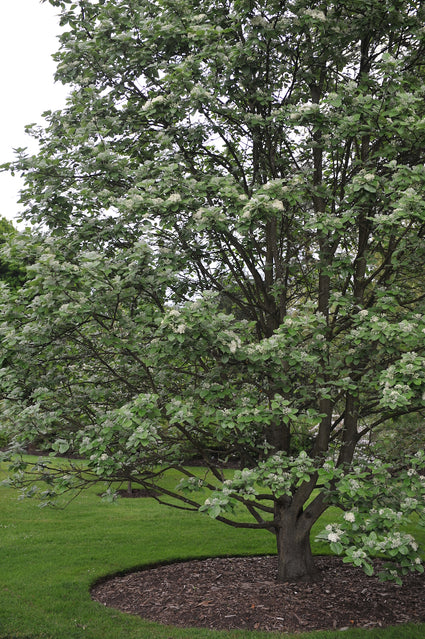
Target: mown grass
<point>49,559</point>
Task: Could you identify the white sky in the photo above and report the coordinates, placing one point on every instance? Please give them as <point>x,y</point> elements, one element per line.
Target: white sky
<point>28,38</point>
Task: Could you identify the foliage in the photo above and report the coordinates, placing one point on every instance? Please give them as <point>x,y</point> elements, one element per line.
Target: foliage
<point>12,271</point>
<point>374,522</point>
<point>235,203</point>
<point>410,428</point>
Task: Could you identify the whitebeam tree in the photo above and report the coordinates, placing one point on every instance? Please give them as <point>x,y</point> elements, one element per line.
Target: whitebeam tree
<point>234,200</point>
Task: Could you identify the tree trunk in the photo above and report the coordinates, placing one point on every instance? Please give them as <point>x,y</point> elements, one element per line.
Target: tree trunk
<point>295,559</point>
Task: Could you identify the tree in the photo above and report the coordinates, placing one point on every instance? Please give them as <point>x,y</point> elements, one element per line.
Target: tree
<point>12,271</point>
<point>235,203</point>
<point>12,276</point>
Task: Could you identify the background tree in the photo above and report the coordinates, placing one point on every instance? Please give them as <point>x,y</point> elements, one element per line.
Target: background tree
<point>12,270</point>
<point>12,276</point>
<point>265,153</point>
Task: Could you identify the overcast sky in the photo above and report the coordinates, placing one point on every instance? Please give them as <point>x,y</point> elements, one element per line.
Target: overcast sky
<point>28,38</point>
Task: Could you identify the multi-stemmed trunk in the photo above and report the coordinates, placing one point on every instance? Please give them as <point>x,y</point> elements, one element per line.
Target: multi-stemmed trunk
<point>293,523</point>
<point>295,559</point>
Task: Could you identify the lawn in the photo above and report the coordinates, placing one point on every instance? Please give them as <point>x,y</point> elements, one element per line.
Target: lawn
<point>49,558</point>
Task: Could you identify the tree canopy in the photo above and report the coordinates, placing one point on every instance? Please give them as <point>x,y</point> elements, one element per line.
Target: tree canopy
<point>233,267</point>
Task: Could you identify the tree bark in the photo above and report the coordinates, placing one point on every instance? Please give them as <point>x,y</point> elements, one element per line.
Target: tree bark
<point>295,559</point>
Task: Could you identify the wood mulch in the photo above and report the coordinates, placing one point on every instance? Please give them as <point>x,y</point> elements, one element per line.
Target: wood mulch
<point>242,593</point>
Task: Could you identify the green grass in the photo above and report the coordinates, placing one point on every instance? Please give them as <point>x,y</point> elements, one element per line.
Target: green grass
<point>49,558</point>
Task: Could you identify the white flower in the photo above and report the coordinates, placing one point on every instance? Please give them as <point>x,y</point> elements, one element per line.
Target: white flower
<point>314,13</point>
<point>233,346</point>
<point>180,328</point>
<point>174,197</point>
<point>354,484</point>
<point>350,517</point>
<point>409,502</point>
<point>277,204</point>
<point>259,21</point>
<point>104,457</point>
<point>333,536</point>
<point>363,312</point>
<point>149,103</point>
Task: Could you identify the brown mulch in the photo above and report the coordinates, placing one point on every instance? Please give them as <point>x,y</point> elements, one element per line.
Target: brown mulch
<point>241,592</point>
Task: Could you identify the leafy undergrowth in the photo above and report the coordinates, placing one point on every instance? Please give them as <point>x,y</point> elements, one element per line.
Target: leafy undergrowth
<point>49,559</point>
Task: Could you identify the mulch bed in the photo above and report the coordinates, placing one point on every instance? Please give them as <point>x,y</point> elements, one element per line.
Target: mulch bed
<point>242,592</point>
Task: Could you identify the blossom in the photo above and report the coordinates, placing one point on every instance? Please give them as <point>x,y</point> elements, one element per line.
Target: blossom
<point>333,536</point>
<point>278,205</point>
<point>180,328</point>
<point>149,103</point>
<point>259,21</point>
<point>350,517</point>
<point>174,197</point>
<point>233,346</point>
<point>314,13</point>
<point>409,502</point>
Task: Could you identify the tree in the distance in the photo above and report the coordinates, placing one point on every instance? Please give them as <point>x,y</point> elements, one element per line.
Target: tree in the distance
<point>234,266</point>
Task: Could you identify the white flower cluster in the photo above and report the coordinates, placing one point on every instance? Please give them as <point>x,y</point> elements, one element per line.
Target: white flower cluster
<point>159,99</point>
<point>195,482</point>
<point>259,21</point>
<point>334,532</point>
<point>350,517</point>
<point>316,14</point>
<point>209,215</point>
<point>199,92</point>
<point>173,198</point>
<point>180,328</point>
<point>215,501</point>
<point>231,341</point>
<point>407,327</point>
<point>389,513</point>
<point>279,483</point>
<point>174,319</point>
<point>234,345</point>
<point>353,484</point>
<point>397,395</point>
<point>307,108</point>
<point>410,502</point>
<point>392,542</point>
<point>268,346</point>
